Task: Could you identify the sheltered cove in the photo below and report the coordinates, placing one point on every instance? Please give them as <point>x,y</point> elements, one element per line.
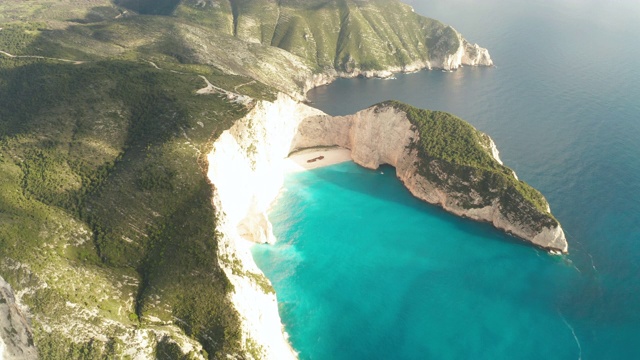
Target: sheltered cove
<point>152,314</point>
<point>247,167</point>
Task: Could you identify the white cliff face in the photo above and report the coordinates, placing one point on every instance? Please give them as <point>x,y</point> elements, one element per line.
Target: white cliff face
<point>553,238</point>
<point>383,136</point>
<point>493,149</point>
<point>246,163</point>
<point>474,55</point>
<point>246,170</point>
<point>16,338</point>
<point>466,54</point>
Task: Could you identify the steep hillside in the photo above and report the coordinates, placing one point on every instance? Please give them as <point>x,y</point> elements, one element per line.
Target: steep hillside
<point>108,237</point>
<point>107,229</point>
<point>345,35</point>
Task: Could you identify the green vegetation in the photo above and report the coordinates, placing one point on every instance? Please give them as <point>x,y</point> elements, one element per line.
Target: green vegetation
<point>105,199</point>
<point>457,157</point>
<point>18,36</point>
<point>106,223</point>
<point>345,35</point>
<point>447,137</point>
<point>53,11</point>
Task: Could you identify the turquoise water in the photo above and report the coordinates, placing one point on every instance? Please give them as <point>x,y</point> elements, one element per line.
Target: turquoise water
<point>364,271</point>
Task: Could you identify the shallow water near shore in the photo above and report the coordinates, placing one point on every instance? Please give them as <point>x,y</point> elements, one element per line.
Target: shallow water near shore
<point>363,270</point>
<point>366,271</point>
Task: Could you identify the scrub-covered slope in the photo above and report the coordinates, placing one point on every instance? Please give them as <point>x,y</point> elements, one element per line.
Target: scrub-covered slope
<point>461,165</point>
<point>349,36</point>
<point>443,160</point>
<point>107,229</point>
<point>108,237</point>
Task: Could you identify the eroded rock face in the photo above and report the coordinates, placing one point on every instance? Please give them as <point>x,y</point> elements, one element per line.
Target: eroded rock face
<point>379,136</point>
<point>465,54</point>
<point>245,168</point>
<point>475,55</point>
<point>16,338</point>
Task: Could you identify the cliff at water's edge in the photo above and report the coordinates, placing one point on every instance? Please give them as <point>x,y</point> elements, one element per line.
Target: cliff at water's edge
<point>246,170</point>
<point>482,191</point>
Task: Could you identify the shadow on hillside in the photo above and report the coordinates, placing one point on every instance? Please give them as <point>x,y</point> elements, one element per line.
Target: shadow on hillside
<point>105,33</point>
<point>98,14</point>
<point>149,7</point>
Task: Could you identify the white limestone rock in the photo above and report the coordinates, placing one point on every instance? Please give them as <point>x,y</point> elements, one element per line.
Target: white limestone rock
<point>246,170</point>
<point>16,337</point>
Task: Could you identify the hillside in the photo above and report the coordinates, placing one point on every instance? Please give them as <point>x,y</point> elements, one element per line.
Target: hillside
<point>106,217</point>
<point>345,35</point>
<point>108,236</point>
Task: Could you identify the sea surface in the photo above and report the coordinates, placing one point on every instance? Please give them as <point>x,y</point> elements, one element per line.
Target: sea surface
<point>365,271</point>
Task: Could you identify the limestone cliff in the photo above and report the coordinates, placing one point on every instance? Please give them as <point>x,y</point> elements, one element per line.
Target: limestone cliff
<point>245,168</point>
<point>384,134</point>
<point>16,337</point>
<point>464,53</point>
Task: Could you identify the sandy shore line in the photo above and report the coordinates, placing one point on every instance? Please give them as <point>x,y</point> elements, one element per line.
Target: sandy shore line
<point>298,161</point>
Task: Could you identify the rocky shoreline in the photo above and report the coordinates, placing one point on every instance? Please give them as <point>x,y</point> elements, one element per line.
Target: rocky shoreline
<point>467,54</point>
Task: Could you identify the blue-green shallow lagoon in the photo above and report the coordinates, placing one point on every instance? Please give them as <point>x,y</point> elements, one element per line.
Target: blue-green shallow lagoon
<point>363,270</point>
<point>563,107</point>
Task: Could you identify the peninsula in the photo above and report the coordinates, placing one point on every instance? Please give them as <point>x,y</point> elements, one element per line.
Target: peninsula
<point>141,143</point>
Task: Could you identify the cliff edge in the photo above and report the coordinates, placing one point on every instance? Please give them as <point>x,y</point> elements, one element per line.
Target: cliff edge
<point>442,160</point>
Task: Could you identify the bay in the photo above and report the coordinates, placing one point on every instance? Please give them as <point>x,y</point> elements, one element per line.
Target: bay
<point>364,271</point>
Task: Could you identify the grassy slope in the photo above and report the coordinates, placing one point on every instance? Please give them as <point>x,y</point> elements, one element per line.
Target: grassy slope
<point>106,223</point>
<point>105,216</point>
<point>452,145</point>
<point>107,200</point>
<point>341,34</point>
<point>54,11</point>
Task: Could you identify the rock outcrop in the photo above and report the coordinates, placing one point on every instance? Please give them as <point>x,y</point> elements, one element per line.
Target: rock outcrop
<point>384,135</point>
<point>245,168</point>
<point>465,54</point>
<point>16,337</point>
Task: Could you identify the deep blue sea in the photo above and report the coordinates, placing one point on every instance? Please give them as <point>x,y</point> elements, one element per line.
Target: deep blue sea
<point>364,271</point>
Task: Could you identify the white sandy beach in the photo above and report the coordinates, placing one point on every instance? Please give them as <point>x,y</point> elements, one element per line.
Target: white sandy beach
<point>333,155</point>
